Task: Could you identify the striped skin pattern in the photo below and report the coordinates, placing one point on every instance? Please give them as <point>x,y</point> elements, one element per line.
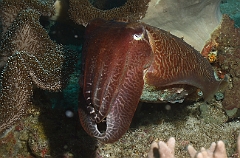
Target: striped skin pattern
<point>113,76</point>
<point>176,62</point>
<point>118,59</point>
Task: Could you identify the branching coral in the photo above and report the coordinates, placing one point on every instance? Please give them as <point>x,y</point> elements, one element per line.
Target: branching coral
<point>216,150</point>
<point>166,150</point>
<point>162,149</point>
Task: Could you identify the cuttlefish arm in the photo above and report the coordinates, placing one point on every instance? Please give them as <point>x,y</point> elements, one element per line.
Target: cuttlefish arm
<point>115,57</point>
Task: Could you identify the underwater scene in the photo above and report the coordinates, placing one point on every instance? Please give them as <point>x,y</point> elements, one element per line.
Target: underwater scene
<point>120,78</point>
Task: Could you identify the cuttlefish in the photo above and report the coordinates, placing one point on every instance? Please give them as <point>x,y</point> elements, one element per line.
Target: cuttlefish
<point>119,59</point>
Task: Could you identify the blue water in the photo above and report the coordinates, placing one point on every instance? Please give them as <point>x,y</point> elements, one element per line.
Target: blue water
<point>232,8</point>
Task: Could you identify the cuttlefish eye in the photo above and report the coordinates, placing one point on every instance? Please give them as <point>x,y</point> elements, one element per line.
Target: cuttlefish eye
<point>138,36</point>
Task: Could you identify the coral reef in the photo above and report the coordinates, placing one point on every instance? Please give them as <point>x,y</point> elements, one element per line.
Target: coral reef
<point>216,150</point>
<point>193,20</point>
<point>31,60</point>
<point>166,150</point>
<point>132,10</point>
<point>225,41</point>
<point>154,122</point>
<point>231,8</point>
<point>195,28</point>
<point>47,132</point>
<point>10,9</point>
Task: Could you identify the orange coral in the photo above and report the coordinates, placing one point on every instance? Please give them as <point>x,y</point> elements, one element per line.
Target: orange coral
<point>209,47</point>
<point>212,57</point>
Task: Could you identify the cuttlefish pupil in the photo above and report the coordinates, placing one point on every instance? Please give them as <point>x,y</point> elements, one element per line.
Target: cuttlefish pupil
<point>119,59</point>
<point>138,36</point>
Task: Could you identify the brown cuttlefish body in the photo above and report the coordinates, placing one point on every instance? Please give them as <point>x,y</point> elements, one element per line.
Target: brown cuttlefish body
<point>119,59</point>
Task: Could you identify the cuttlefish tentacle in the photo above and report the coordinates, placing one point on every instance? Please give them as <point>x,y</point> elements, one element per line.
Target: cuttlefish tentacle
<point>116,56</point>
